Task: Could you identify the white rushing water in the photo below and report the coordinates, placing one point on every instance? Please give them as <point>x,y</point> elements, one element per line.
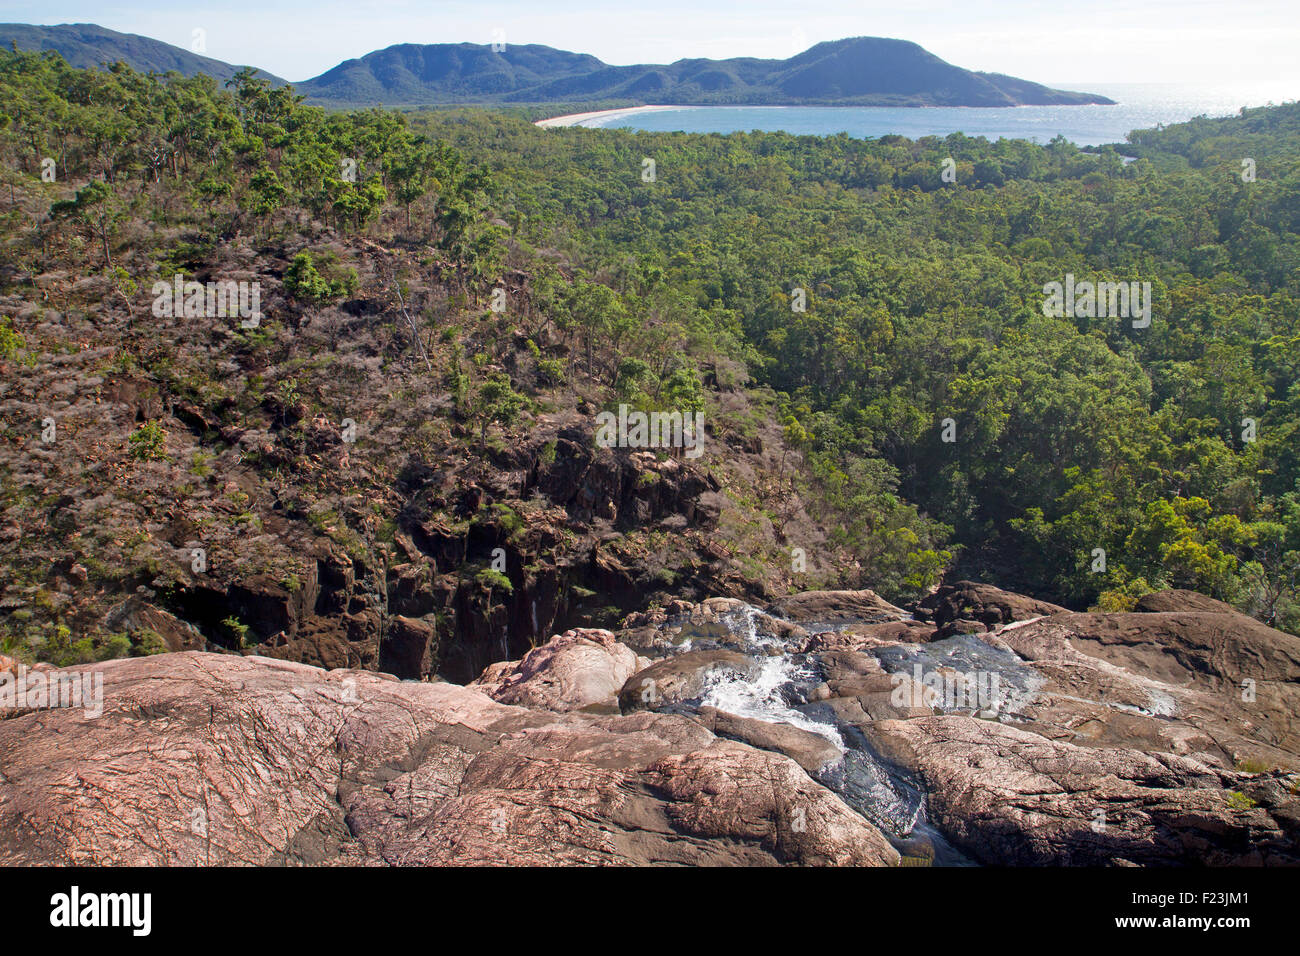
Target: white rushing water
<point>777,675</point>
<point>758,695</point>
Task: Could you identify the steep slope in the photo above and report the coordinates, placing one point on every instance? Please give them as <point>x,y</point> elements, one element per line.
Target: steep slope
<point>87,45</point>
<point>372,550</point>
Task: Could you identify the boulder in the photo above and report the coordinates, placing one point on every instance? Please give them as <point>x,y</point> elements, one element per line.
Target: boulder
<point>409,648</point>
<point>674,680</point>
<point>811,751</point>
<point>573,670</point>
<point>1178,599</point>
<point>330,642</point>
<point>136,614</point>
<point>968,607</point>
<point>860,636</point>
<point>725,623</point>
<point>858,689</point>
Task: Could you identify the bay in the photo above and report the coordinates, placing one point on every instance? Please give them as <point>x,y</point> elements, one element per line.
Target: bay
<point>1139,106</point>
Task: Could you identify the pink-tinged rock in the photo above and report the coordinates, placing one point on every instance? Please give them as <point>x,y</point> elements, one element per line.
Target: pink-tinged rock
<point>811,751</point>
<point>493,675</point>
<point>1012,797</point>
<point>220,759</point>
<point>1230,683</point>
<point>579,668</point>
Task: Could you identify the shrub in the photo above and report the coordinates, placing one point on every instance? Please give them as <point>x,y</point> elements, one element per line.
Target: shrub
<point>303,281</point>
<point>1239,801</point>
<point>550,372</point>
<point>148,442</point>
<point>10,340</point>
<point>489,579</point>
<point>1253,766</point>
<point>236,629</point>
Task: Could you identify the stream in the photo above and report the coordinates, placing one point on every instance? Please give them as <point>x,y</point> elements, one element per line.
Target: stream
<point>779,688</point>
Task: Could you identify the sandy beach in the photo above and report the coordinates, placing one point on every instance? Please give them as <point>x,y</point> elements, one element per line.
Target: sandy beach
<point>576,119</point>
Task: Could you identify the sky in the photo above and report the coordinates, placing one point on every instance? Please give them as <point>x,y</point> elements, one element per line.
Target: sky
<point>1237,43</point>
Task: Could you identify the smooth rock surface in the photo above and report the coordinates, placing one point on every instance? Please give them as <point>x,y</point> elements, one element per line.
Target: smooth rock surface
<point>576,669</point>
<point>679,678</point>
<point>202,759</point>
<point>969,607</point>
<point>1012,797</point>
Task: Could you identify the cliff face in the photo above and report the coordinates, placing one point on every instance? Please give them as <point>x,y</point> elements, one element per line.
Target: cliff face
<point>313,491</point>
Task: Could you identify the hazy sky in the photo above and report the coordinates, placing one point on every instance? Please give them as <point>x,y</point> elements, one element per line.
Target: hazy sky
<point>1237,43</point>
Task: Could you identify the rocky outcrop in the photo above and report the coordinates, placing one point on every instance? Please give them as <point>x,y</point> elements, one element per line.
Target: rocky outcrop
<point>410,646</point>
<point>1232,683</point>
<point>1158,737</point>
<point>677,679</point>
<point>1178,599</point>
<point>969,607</point>
<point>858,636</point>
<point>260,525</point>
<point>1012,797</point>
<point>829,608</point>
<point>726,623</point>
<point>584,668</point>
<point>135,614</point>
<point>203,759</point>
<point>1151,738</point>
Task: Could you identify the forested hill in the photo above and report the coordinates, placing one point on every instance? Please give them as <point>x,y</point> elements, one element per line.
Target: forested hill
<point>857,71</point>
<point>1091,461</point>
<point>88,45</point>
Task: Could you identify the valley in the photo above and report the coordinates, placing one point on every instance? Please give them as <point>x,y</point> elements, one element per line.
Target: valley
<point>429,488</point>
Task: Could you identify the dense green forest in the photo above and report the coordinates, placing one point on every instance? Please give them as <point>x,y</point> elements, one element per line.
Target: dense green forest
<point>925,303</point>
<point>1170,448</point>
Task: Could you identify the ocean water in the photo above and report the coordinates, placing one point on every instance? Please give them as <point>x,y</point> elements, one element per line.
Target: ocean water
<point>1140,106</point>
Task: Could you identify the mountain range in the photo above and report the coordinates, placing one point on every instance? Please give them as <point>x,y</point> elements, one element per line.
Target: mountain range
<point>860,71</point>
